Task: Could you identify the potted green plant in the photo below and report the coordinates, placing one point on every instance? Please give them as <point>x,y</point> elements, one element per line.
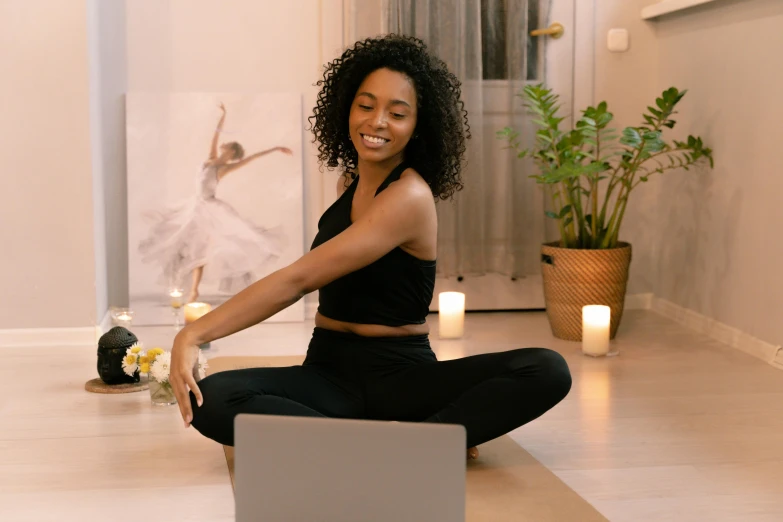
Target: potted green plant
<point>588,174</point>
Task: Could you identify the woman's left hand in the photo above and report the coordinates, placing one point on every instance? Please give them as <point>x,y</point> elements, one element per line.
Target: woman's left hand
<point>184,358</point>
<point>286,150</point>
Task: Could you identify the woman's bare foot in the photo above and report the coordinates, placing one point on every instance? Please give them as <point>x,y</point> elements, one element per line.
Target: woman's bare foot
<point>473,453</point>
<point>193,297</point>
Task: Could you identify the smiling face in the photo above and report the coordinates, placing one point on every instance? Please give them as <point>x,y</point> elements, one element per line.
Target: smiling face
<point>383,116</point>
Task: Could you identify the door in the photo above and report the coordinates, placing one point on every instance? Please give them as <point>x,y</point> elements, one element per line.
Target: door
<point>551,60</point>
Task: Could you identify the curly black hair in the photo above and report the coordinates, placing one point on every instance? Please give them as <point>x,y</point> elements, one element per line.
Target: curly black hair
<point>438,146</point>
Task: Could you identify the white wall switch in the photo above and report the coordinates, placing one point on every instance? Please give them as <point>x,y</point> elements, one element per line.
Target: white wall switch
<point>617,40</point>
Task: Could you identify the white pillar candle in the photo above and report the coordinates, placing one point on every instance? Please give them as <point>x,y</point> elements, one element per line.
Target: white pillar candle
<point>451,315</point>
<point>194,311</point>
<point>595,329</point>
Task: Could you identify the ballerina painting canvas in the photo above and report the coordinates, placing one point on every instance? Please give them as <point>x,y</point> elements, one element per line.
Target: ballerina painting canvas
<point>214,196</point>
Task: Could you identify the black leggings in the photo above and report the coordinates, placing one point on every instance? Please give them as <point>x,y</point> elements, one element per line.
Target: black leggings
<point>392,378</point>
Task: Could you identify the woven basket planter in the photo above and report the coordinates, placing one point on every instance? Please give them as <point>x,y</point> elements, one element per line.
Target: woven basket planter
<point>574,278</point>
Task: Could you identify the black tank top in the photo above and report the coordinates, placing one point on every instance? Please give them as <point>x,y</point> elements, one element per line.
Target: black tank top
<point>395,290</point>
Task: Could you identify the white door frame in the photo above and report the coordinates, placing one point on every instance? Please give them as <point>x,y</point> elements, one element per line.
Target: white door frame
<point>584,53</point>
<point>337,32</point>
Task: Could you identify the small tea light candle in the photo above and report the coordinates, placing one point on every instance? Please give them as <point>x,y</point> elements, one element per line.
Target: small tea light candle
<point>451,315</point>
<point>194,311</point>
<point>595,330</point>
<point>122,317</point>
<point>176,298</point>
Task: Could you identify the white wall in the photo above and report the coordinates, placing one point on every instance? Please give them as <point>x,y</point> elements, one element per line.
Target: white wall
<point>719,242</point>
<point>48,266</point>
<point>706,240</point>
<point>66,65</point>
<point>700,240</point>
<point>239,46</point>
<point>627,82</point>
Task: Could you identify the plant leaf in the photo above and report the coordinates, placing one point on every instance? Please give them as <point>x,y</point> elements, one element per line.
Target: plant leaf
<point>604,119</point>
<point>631,137</point>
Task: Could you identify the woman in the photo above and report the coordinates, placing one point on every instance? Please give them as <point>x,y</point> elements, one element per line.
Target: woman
<point>207,230</point>
<point>391,114</point>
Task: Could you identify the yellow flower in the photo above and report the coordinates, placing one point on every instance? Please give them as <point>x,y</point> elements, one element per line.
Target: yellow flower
<point>145,367</point>
<point>135,348</point>
<point>130,359</point>
<point>144,359</point>
<point>154,353</point>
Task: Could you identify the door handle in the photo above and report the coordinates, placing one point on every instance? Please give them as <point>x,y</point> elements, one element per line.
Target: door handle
<point>555,30</point>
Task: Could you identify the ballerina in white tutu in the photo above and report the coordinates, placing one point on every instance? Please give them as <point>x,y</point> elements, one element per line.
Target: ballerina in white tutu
<point>207,231</point>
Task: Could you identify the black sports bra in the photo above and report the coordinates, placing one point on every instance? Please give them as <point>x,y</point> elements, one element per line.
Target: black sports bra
<point>395,290</point>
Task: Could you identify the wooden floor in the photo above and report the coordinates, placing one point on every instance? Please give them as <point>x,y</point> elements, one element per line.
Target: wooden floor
<point>677,428</point>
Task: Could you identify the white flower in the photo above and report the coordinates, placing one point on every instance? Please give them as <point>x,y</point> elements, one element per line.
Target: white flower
<point>130,364</point>
<point>160,368</point>
<point>135,349</point>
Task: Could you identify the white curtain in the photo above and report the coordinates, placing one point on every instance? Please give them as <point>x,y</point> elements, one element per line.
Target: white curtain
<point>496,223</point>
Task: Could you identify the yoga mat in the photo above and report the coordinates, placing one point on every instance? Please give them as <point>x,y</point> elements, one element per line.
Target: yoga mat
<point>504,484</point>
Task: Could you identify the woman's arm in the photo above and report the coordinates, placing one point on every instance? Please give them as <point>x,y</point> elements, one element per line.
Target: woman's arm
<point>393,219</point>
<point>231,167</point>
<point>213,148</point>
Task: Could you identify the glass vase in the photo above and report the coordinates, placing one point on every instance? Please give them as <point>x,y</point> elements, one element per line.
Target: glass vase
<point>161,394</point>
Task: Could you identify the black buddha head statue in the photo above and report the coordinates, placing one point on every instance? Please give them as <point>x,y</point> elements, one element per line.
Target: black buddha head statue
<point>111,350</point>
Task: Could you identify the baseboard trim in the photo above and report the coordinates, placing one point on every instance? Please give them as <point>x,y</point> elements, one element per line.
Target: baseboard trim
<point>82,336</point>
<point>639,301</point>
<point>21,337</point>
<point>720,332</point>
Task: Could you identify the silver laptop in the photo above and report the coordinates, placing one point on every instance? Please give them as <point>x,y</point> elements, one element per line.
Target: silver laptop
<point>305,469</point>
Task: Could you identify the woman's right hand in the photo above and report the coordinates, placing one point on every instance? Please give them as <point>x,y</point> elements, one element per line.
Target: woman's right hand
<point>184,361</point>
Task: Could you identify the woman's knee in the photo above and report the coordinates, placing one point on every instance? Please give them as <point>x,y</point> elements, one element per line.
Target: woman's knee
<point>550,367</point>
<point>210,396</point>
<point>212,419</point>
<point>554,369</point>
